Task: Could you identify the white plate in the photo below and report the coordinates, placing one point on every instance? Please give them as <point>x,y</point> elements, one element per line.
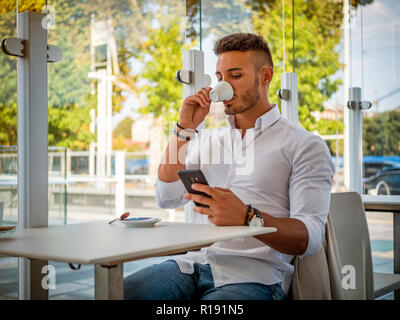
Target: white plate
<point>143,222</point>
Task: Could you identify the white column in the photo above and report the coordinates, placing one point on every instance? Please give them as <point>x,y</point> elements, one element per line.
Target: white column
<point>346,86</point>
<point>355,142</point>
<point>32,141</point>
<point>120,183</point>
<point>109,112</point>
<point>92,145</point>
<point>101,125</point>
<point>290,105</point>
<point>193,60</point>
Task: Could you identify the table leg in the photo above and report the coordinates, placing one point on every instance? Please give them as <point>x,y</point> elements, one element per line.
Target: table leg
<point>396,249</point>
<point>40,275</point>
<point>109,282</point>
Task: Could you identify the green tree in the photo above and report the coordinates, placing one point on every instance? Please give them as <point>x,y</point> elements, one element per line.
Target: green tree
<point>316,58</point>
<point>381,134</point>
<point>69,127</point>
<point>69,86</point>
<point>124,129</point>
<point>161,56</point>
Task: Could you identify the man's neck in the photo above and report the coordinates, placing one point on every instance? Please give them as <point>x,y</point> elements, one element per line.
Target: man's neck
<point>247,119</point>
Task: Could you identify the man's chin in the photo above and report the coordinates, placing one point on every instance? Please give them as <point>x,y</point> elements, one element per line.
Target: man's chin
<point>230,110</point>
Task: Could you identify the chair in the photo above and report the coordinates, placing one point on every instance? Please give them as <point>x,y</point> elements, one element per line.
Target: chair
<point>353,243</point>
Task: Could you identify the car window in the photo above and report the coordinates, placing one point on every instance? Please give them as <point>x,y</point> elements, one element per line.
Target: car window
<point>393,178</point>
<point>370,169</point>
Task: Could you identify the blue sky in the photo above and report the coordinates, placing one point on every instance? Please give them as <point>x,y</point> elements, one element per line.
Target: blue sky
<point>375,53</point>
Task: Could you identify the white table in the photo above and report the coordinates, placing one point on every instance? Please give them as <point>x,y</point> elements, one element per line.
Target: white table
<point>388,204</point>
<point>109,246</point>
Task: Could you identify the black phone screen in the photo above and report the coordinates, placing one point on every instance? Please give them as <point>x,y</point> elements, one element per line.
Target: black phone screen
<point>189,177</point>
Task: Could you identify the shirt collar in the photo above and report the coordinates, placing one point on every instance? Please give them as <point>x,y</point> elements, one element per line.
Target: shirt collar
<point>264,121</point>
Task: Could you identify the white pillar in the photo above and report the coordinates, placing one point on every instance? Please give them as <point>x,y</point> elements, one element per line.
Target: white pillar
<point>355,142</point>
<point>92,145</point>
<point>290,108</point>
<point>193,60</point>
<point>101,125</point>
<point>32,142</point>
<point>346,86</point>
<point>109,90</point>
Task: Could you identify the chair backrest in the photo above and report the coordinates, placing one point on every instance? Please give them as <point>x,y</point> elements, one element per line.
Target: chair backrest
<point>353,243</point>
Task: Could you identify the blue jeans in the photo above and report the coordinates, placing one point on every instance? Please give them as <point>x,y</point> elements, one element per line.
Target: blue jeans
<point>165,281</point>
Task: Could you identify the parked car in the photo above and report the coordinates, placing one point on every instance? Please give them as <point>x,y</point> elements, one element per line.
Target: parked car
<point>373,164</point>
<point>385,182</point>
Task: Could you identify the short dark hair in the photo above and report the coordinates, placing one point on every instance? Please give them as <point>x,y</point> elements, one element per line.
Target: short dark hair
<point>246,42</point>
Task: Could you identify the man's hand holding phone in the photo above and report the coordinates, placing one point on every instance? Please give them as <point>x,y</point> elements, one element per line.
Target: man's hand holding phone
<point>221,205</point>
<point>225,208</point>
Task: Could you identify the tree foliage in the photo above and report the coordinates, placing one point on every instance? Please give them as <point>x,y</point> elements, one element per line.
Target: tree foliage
<point>316,59</point>
<point>381,134</point>
<point>152,33</point>
<point>161,57</point>
<point>124,129</point>
<point>70,96</point>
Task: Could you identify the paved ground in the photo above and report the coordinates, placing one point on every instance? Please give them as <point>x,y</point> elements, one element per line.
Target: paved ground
<point>78,285</point>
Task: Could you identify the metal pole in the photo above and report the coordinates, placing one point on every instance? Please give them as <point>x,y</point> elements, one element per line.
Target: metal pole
<point>355,142</point>
<point>65,188</point>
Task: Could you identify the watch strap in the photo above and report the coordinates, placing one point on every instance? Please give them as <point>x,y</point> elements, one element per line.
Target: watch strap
<point>180,136</point>
<point>249,215</point>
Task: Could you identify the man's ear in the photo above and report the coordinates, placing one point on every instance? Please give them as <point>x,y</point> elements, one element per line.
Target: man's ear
<point>266,74</point>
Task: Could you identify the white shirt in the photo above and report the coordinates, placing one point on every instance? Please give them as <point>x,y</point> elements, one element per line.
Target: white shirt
<point>286,172</point>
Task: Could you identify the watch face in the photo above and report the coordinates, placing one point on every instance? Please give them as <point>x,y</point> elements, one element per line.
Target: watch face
<point>256,222</point>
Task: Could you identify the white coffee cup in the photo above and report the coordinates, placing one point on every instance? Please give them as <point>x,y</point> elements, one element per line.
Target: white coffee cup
<point>223,91</point>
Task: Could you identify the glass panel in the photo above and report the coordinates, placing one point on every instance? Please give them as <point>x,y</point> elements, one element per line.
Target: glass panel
<point>376,68</point>
<point>109,99</point>
<point>8,149</point>
<point>221,18</point>
<point>317,59</point>
<point>114,90</point>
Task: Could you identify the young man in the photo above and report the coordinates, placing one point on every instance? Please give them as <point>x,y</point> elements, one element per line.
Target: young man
<point>287,186</point>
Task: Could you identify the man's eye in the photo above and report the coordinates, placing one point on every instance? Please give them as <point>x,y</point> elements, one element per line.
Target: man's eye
<point>236,76</point>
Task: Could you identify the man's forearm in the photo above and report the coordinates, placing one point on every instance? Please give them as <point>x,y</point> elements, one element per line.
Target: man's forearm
<point>291,236</point>
<point>173,160</point>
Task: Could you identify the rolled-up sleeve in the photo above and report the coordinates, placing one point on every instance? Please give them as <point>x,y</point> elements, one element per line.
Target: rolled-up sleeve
<point>310,190</point>
<point>169,195</point>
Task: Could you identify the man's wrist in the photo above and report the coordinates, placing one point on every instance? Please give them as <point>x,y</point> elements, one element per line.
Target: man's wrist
<point>183,125</point>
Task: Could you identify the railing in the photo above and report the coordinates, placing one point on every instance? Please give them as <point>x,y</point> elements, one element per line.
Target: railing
<point>71,185</point>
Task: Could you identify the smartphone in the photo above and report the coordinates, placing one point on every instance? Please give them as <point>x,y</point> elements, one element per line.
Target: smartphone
<point>189,177</point>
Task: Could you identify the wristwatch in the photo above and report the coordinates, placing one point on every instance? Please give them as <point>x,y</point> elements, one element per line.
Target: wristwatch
<point>254,218</point>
